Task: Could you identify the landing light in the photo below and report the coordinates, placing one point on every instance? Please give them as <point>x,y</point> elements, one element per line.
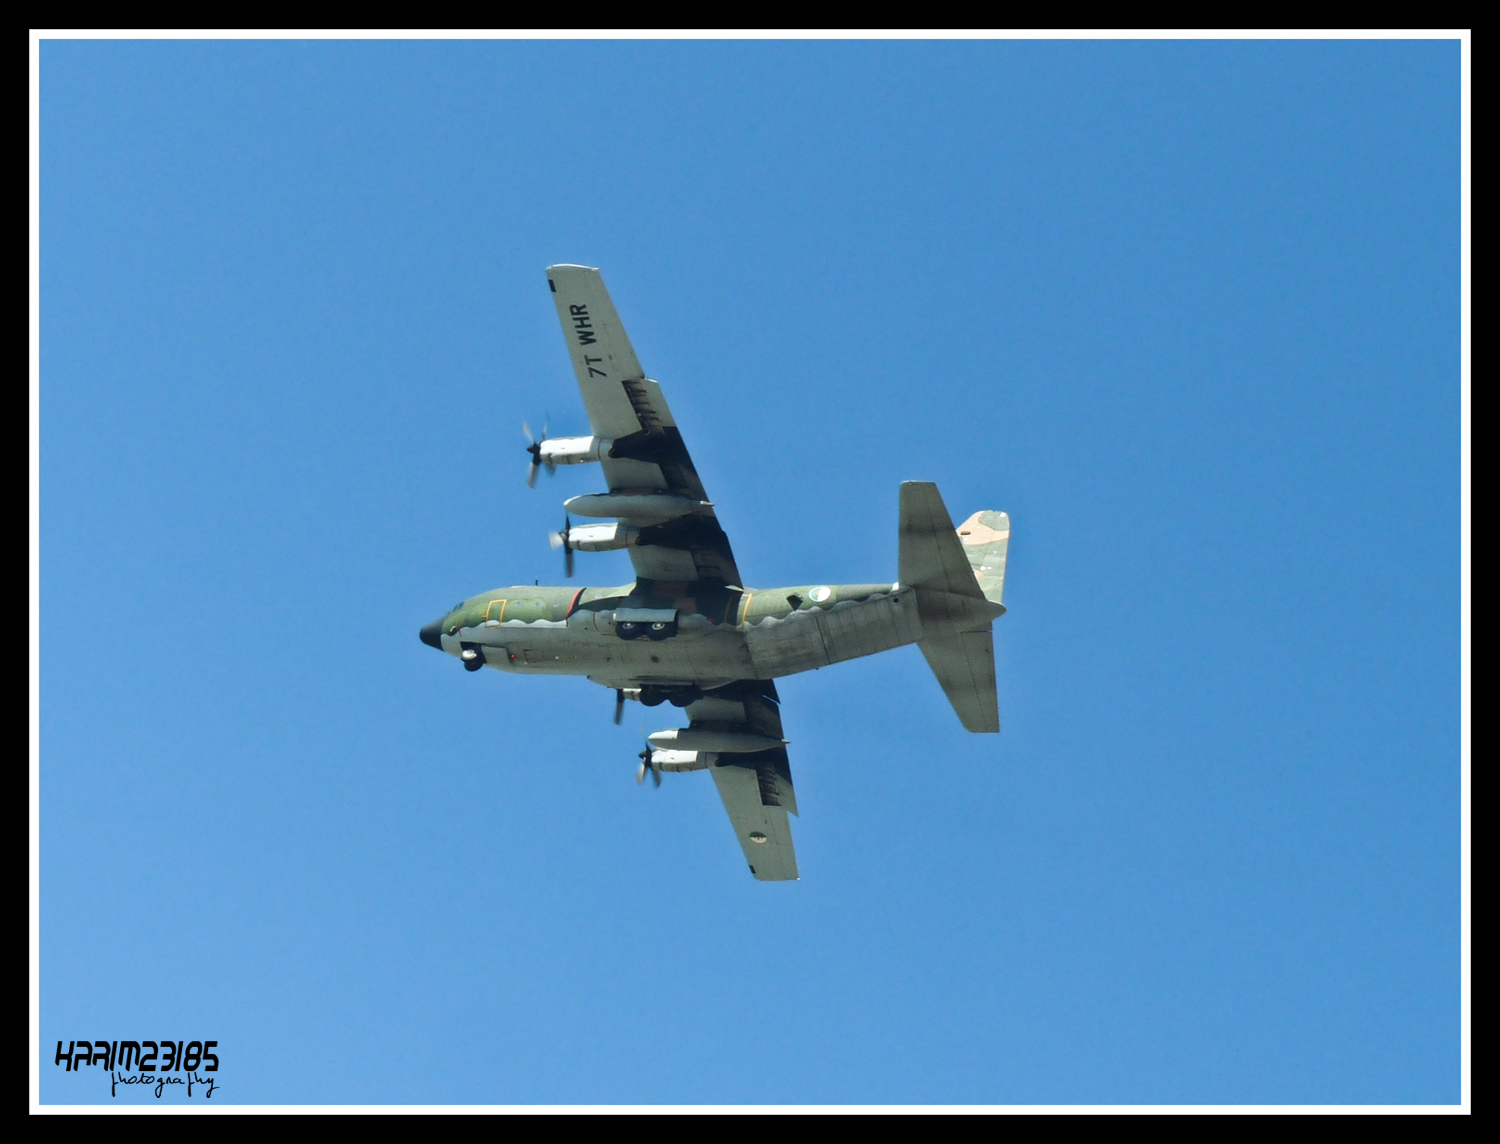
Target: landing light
<point>757,836</point>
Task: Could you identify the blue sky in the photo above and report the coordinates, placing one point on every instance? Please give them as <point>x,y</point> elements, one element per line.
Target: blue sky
<point>1189,312</point>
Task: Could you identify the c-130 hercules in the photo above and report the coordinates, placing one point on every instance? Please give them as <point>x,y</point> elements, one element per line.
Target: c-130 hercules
<point>688,632</point>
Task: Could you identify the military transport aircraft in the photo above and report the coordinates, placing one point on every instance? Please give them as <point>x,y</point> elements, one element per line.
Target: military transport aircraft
<point>688,632</point>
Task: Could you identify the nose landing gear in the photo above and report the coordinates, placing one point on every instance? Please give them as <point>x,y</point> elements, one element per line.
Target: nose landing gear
<point>473,657</point>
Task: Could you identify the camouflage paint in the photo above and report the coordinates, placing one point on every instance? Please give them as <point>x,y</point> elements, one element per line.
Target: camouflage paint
<point>986,540</point>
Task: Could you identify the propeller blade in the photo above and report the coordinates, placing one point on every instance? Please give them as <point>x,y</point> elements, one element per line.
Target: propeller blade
<point>645,757</point>
<point>555,539</point>
<point>534,447</point>
<point>567,545</point>
<point>568,560</point>
<point>619,704</point>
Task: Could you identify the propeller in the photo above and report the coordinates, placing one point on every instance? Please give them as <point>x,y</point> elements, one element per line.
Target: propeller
<point>561,540</point>
<point>534,447</point>
<point>645,757</point>
<point>619,704</point>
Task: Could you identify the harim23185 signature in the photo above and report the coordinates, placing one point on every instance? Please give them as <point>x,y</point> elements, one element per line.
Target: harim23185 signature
<point>152,1063</point>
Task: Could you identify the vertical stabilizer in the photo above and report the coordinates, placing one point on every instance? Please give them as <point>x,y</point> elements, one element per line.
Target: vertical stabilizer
<point>985,537</point>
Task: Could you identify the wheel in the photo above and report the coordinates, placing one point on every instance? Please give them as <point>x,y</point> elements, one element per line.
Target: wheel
<point>627,630</point>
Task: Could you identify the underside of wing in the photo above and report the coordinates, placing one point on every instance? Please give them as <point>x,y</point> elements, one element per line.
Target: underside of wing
<point>764,832</point>
<point>646,453</point>
<point>756,786</point>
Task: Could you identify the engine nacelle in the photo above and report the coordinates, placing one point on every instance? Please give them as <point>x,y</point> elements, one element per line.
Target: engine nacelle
<point>674,762</point>
<point>601,537</point>
<point>720,742</point>
<point>574,450</point>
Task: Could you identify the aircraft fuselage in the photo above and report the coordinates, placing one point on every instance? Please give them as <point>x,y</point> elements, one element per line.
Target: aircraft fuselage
<point>675,640</point>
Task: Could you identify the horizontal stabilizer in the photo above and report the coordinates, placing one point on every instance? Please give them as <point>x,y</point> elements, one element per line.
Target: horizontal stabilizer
<point>956,610</point>
<point>930,555</point>
<point>964,663</point>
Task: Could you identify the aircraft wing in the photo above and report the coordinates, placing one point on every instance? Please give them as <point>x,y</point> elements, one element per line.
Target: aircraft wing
<point>649,455</point>
<point>756,788</point>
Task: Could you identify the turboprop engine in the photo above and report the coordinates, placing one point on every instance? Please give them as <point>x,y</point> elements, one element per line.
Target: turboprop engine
<point>561,451</point>
<point>574,450</point>
<point>590,538</point>
<point>595,537</point>
<point>675,762</point>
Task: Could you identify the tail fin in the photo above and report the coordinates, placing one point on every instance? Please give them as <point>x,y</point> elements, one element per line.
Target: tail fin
<point>954,599</point>
<point>985,537</point>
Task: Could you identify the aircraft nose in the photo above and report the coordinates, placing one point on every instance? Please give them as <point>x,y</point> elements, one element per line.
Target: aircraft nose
<point>432,634</point>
